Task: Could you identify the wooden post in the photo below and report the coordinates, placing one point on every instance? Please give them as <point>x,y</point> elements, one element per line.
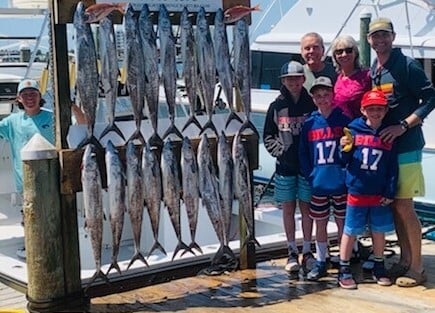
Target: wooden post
<point>62,109</point>
<point>42,226</point>
<point>364,47</point>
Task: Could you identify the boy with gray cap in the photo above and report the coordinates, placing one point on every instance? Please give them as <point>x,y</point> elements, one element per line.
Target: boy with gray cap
<point>283,124</point>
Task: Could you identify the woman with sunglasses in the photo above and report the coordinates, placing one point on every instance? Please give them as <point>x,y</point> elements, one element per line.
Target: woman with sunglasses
<point>352,81</point>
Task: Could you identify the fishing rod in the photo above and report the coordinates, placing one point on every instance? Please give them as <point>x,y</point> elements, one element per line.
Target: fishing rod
<point>265,189</point>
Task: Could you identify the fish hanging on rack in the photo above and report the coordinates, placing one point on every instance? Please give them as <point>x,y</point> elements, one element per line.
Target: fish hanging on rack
<point>190,66</point>
<point>237,12</point>
<point>116,192</point>
<point>93,206</point>
<point>99,11</point>
<point>150,53</point>
<point>206,66</point>
<point>152,192</point>
<point>242,70</point>
<point>169,67</point>
<point>190,184</point>
<point>86,73</point>
<point>171,192</point>
<point>109,73</point>
<point>223,63</point>
<point>135,80</point>
<point>135,199</point>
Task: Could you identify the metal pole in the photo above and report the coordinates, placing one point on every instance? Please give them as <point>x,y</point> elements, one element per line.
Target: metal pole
<point>364,47</point>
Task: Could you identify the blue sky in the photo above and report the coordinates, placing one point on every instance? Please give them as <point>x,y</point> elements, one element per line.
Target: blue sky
<point>31,26</point>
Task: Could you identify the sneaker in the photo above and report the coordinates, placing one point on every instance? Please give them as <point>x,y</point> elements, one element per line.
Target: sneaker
<point>318,271</point>
<point>292,263</point>
<point>380,274</point>
<point>21,253</point>
<point>345,278</point>
<point>308,262</point>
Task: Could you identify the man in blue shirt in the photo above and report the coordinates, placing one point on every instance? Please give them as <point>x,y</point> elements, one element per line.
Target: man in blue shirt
<point>411,97</point>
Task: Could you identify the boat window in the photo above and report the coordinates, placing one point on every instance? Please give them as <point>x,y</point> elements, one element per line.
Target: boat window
<point>266,68</point>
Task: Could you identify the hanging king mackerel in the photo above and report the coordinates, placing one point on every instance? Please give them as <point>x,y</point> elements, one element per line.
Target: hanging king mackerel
<point>210,198</point>
<point>152,191</point>
<point>242,69</point>
<point>86,72</point>
<point>243,187</point>
<point>150,53</point>
<point>206,66</point>
<point>171,191</point>
<point>168,66</point>
<point>226,174</point>
<point>109,73</point>
<point>223,63</point>
<point>135,199</point>
<point>135,70</point>
<point>93,206</point>
<point>116,192</point>
<point>190,184</point>
<point>190,68</point>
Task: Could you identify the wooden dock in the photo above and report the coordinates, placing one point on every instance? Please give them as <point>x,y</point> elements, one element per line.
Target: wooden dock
<point>265,289</point>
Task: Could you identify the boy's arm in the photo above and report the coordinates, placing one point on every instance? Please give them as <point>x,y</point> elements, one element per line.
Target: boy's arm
<point>272,142</point>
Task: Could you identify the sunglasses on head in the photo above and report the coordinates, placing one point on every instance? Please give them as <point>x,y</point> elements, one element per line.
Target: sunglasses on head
<point>340,51</point>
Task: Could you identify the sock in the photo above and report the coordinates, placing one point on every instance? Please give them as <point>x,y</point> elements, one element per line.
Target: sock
<point>344,263</point>
<point>292,247</point>
<point>378,259</point>
<point>306,247</point>
<point>321,249</point>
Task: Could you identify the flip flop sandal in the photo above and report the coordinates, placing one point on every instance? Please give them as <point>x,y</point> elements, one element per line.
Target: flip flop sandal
<point>411,279</point>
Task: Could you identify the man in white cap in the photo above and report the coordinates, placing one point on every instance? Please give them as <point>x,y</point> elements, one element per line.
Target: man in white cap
<point>19,127</point>
<point>411,97</point>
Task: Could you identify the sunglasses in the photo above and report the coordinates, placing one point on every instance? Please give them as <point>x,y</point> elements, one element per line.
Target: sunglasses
<point>340,51</point>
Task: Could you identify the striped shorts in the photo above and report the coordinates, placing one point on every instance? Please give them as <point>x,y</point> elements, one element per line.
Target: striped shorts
<point>320,206</point>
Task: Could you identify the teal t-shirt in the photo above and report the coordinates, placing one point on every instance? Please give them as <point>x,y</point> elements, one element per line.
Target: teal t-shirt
<point>18,128</point>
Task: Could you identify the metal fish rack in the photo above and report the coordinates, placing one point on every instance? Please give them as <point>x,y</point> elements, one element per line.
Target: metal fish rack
<point>69,176</point>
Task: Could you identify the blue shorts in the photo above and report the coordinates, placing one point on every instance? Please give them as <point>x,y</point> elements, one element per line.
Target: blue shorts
<point>320,207</point>
<point>290,188</point>
<point>378,218</point>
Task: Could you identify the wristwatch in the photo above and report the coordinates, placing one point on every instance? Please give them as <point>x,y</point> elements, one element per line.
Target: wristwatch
<point>404,124</point>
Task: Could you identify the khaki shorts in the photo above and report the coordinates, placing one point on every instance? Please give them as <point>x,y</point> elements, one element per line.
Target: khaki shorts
<point>411,181</point>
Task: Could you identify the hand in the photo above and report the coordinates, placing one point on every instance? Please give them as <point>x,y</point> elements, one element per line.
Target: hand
<point>386,201</point>
<point>390,133</point>
<point>345,141</point>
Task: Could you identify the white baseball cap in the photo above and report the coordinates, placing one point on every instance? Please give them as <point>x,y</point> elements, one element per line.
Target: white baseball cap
<point>27,84</point>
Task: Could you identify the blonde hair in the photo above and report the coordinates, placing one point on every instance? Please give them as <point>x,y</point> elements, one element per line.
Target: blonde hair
<point>347,41</point>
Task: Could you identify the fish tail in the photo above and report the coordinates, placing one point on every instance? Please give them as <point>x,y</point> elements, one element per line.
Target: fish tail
<point>210,125</point>
<point>113,128</point>
<point>114,265</point>
<point>137,135</point>
<point>226,250</point>
<point>181,246</point>
<point>98,274</point>
<point>232,116</point>
<point>248,125</point>
<point>157,246</point>
<point>223,255</point>
<point>194,120</point>
<point>256,8</point>
<point>193,245</point>
<point>155,140</point>
<point>137,256</point>
<point>172,130</point>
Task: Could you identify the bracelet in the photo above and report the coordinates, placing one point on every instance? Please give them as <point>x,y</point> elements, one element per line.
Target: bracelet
<point>404,124</point>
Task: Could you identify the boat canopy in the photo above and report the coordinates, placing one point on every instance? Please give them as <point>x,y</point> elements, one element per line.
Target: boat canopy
<point>413,20</point>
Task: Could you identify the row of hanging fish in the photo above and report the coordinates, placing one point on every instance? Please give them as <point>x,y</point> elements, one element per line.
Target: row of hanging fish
<point>147,181</point>
<point>205,57</point>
